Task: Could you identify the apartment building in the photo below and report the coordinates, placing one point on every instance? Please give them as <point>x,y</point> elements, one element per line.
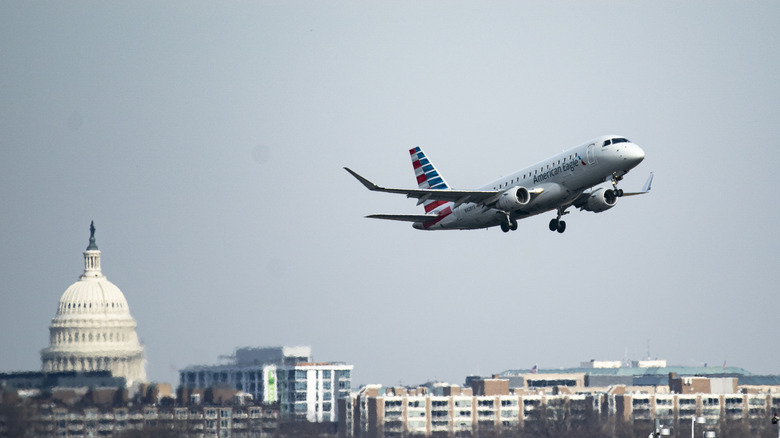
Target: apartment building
<point>308,391</point>
<point>305,390</point>
<point>192,421</point>
<point>374,412</point>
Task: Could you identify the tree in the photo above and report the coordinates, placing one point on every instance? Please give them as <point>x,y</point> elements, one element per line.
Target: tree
<point>18,420</point>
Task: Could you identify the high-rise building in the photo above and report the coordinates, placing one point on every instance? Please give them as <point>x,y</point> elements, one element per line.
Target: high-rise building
<point>93,329</point>
<point>305,390</point>
<point>309,391</point>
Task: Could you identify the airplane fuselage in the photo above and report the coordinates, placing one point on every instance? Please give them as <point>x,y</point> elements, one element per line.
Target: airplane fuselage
<point>563,178</point>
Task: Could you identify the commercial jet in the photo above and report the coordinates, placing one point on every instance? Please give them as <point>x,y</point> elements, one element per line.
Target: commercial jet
<point>555,184</point>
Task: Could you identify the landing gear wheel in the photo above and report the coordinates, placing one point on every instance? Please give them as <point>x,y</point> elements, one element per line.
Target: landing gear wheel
<point>561,226</point>
<point>513,225</point>
<point>553,224</point>
<point>504,227</point>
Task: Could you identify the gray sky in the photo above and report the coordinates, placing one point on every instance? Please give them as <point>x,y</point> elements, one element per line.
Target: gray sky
<point>206,140</point>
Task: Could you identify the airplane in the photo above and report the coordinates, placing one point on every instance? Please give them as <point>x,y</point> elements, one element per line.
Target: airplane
<point>555,184</point>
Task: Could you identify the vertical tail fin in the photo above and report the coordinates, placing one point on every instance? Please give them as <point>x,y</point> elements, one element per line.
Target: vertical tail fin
<point>428,177</point>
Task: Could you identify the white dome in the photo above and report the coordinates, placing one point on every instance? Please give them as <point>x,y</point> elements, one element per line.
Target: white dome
<point>93,296</point>
<point>93,329</point>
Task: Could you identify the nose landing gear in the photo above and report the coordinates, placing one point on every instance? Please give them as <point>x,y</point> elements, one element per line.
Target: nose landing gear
<point>557,224</point>
<point>615,179</point>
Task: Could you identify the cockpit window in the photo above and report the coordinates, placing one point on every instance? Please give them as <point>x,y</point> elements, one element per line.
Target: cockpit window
<point>619,140</point>
<point>607,143</point>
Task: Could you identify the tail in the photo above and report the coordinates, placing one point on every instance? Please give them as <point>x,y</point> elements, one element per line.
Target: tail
<point>427,178</point>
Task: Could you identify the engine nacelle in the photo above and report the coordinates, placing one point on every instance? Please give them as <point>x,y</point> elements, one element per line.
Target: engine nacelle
<point>513,198</point>
<point>600,200</point>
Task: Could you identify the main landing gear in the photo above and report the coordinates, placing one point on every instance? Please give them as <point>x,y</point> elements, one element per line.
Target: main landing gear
<point>557,224</point>
<point>615,179</point>
<point>508,224</point>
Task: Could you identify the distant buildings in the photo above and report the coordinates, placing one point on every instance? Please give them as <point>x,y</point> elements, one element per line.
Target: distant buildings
<point>93,329</point>
<point>91,384</point>
<point>231,420</point>
<point>563,400</point>
<point>37,380</point>
<point>305,390</point>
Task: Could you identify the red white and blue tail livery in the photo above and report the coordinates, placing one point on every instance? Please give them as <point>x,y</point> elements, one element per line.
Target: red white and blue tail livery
<point>428,177</point>
<point>564,180</point>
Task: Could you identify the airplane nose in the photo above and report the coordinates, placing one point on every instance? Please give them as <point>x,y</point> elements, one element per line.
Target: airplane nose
<point>634,154</point>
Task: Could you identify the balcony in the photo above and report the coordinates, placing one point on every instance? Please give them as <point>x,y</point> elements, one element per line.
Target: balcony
<point>440,425</point>
<point>394,426</point>
<point>486,415</point>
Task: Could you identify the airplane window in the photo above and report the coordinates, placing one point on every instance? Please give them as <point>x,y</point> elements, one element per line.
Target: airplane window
<point>607,143</point>
<point>619,140</point>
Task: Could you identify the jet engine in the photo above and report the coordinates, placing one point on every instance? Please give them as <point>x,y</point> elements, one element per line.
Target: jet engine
<point>600,200</point>
<point>513,199</point>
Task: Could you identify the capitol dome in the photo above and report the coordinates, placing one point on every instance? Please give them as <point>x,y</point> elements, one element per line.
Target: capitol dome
<point>93,329</point>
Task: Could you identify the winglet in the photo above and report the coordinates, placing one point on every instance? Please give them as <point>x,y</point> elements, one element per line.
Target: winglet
<point>649,182</point>
<point>369,185</point>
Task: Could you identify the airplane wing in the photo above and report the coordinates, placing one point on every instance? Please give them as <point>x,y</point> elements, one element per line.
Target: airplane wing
<point>645,188</point>
<point>484,197</point>
<point>584,195</point>
<point>405,217</point>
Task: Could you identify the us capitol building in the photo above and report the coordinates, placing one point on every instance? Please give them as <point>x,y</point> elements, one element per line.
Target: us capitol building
<point>93,329</point>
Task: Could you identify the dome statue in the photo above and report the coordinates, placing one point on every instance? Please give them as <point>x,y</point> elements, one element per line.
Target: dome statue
<point>93,329</point>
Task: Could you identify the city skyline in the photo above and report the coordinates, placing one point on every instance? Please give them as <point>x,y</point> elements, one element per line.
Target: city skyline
<point>207,144</point>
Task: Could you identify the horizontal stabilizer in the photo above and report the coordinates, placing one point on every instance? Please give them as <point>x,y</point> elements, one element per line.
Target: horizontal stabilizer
<point>405,217</point>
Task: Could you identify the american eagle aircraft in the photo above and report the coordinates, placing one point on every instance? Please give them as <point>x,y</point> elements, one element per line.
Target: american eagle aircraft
<point>555,184</point>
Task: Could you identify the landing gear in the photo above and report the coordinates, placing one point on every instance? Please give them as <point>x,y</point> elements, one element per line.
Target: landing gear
<point>616,191</point>
<point>508,224</point>
<point>557,224</point>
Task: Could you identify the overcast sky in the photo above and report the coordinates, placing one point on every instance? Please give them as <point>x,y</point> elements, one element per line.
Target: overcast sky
<point>207,139</point>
